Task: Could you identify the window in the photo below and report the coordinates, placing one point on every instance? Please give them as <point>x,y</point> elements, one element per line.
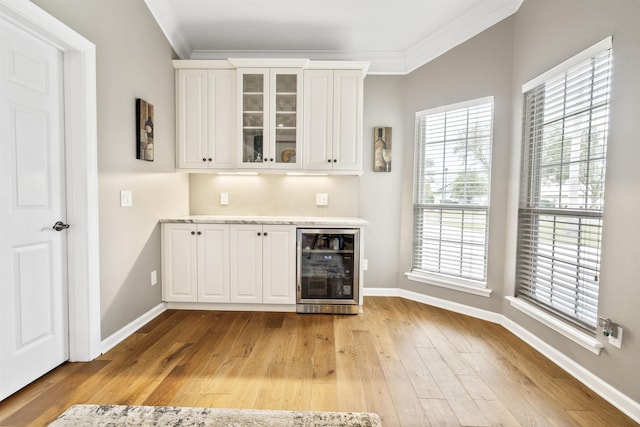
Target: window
<point>451,200</point>
<point>560,214</point>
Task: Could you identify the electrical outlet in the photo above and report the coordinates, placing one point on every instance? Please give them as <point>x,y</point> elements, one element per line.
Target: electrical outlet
<point>224,199</point>
<point>154,278</point>
<point>365,264</point>
<point>617,340</point>
<point>322,199</point>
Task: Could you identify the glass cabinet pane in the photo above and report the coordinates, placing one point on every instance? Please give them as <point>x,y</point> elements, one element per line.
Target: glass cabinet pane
<point>286,91</point>
<point>253,99</point>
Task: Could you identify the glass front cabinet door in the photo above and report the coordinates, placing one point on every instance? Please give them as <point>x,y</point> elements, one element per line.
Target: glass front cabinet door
<point>271,124</point>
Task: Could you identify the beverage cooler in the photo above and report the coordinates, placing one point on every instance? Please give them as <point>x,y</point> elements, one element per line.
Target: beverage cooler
<point>328,270</point>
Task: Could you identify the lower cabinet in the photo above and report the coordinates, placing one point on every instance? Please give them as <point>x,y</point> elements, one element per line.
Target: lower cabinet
<point>195,262</point>
<point>229,263</point>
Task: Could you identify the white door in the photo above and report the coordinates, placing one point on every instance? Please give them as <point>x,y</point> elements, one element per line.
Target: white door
<point>347,119</point>
<point>318,120</point>
<point>279,264</point>
<point>33,289</point>
<point>179,263</point>
<point>245,261</point>
<point>193,142</point>
<point>213,262</point>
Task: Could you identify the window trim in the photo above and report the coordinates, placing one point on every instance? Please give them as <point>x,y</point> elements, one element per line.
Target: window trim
<point>471,286</point>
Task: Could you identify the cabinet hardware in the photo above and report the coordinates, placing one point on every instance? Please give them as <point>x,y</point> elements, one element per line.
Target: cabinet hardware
<point>193,233</point>
<point>259,233</point>
<point>328,160</point>
<point>265,233</point>
<point>210,159</point>
<point>199,233</point>
<point>335,160</point>
<point>204,159</point>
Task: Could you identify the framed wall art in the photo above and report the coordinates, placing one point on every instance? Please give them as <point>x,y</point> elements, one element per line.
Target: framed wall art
<point>382,149</point>
<point>144,130</point>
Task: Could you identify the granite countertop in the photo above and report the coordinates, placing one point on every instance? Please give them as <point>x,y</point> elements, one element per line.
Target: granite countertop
<point>280,220</point>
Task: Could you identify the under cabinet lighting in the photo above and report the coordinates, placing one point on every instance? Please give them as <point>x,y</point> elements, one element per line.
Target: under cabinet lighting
<point>306,174</point>
<point>237,173</point>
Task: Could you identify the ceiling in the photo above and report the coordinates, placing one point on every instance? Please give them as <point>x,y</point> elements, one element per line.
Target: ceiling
<point>396,36</point>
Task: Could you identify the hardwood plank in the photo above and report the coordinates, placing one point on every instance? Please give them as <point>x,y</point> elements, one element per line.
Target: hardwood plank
<point>408,406</point>
<point>439,413</point>
<point>376,390</point>
<point>456,395</point>
<point>349,383</point>
<point>399,359</point>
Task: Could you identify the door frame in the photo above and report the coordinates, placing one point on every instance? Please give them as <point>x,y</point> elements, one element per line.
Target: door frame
<point>80,135</point>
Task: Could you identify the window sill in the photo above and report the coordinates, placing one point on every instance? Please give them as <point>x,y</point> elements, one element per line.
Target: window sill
<point>581,338</point>
<point>460,285</point>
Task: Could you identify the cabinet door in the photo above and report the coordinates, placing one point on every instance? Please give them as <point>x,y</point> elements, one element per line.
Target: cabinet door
<point>179,263</point>
<point>279,264</point>
<point>213,263</point>
<point>192,119</point>
<point>222,111</point>
<point>254,140</point>
<point>347,119</point>
<point>285,121</point>
<point>246,263</point>
<point>318,120</point>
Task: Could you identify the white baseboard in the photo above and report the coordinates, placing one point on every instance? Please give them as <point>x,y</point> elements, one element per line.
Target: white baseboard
<point>123,333</point>
<point>618,399</point>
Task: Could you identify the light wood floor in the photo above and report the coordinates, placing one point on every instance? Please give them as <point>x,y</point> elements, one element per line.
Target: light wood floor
<point>412,364</point>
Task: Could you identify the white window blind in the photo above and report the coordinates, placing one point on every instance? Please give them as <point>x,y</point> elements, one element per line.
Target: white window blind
<point>560,215</point>
<point>451,200</point>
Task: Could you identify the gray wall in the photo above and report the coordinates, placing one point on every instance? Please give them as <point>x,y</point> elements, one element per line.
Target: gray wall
<point>546,33</point>
<point>133,61</point>
<point>478,68</point>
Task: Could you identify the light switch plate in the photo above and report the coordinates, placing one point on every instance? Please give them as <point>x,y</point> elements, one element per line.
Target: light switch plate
<point>224,199</point>
<point>154,278</point>
<point>322,199</point>
<point>126,198</point>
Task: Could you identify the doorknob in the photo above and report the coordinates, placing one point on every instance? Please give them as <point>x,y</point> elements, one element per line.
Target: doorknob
<point>59,226</point>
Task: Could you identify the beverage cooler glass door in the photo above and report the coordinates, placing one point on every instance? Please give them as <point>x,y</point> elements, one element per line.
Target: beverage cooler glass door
<point>328,266</point>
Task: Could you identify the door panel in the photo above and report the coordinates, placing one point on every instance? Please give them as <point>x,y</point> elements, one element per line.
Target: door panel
<point>33,289</point>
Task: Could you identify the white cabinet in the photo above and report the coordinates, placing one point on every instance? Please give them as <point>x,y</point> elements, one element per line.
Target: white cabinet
<point>271,125</point>
<point>333,120</point>
<point>206,119</point>
<point>228,263</point>
<point>195,262</point>
<point>263,259</point>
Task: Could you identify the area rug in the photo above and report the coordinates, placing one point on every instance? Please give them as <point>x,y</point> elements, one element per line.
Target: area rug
<point>116,415</point>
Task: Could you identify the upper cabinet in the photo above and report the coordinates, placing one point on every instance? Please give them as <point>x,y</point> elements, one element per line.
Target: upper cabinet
<point>271,130</point>
<point>333,114</point>
<point>280,115</point>
<point>206,119</point>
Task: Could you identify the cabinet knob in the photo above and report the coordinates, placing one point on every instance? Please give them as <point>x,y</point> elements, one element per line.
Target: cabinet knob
<point>265,160</point>
<point>271,160</point>
<point>259,233</point>
<point>265,233</point>
<point>204,159</point>
<point>335,160</point>
<point>193,233</point>
<point>329,161</point>
<point>199,233</point>
<point>210,159</point>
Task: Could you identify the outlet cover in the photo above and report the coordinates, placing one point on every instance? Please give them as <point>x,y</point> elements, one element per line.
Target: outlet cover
<point>154,278</point>
<point>617,341</point>
<point>322,199</point>
<point>224,199</point>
